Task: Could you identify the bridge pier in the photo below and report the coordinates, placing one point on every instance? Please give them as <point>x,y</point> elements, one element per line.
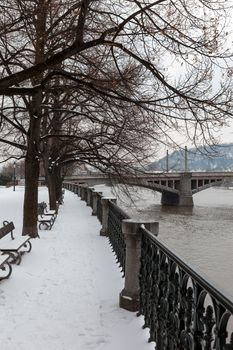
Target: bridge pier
<point>184,198</point>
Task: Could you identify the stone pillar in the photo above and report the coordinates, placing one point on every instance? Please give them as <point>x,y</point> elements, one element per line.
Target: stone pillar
<point>95,194</point>
<point>186,197</point>
<point>94,205</point>
<point>82,193</point>
<point>129,296</point>
<point>89,194</point>
<point>79,191</point>
<point>105,210</point>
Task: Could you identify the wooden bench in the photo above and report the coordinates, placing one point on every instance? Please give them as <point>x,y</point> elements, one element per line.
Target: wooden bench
<point>13,247</point>
<point>45,220</point>
<point>47,211</point>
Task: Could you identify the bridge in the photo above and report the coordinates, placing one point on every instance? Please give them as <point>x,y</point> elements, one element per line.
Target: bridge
<point>177,189</point>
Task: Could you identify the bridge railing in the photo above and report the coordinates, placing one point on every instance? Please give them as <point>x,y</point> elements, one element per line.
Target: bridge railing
<point>180,306</point>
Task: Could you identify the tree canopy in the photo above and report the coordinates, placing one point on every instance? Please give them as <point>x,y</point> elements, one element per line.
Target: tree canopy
<point>171,59</point>
<point>104,82</point>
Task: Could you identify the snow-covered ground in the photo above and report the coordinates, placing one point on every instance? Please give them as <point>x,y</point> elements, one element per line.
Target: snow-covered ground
<point>64,295</point>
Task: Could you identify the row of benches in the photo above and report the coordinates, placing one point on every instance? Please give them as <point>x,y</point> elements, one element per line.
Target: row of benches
<point>12,249</point>
<point>46,218</point>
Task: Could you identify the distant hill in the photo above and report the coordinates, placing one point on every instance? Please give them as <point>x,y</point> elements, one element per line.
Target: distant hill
<point>209,158</point>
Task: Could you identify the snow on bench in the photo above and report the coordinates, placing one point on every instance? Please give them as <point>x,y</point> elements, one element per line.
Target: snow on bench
<point>13,247</point>
<point>46,219</point>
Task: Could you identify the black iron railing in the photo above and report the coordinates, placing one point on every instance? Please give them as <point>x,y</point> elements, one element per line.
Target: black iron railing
<point>116,238</point>
<point>180,307</point>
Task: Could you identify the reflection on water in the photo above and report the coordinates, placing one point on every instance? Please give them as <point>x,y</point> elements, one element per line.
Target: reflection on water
<point>202,235</point>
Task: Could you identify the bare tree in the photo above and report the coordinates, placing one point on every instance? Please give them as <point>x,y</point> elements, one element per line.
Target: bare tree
<point>109,135</point>
<point>63,41</point>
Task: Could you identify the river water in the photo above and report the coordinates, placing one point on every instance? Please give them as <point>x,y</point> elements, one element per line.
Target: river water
<point>202,235</point>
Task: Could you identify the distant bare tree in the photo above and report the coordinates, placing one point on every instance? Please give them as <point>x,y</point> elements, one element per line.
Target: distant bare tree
<point>8,169</point>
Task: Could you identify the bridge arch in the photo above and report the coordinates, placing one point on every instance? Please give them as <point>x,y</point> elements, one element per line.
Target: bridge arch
<point>206,185</point>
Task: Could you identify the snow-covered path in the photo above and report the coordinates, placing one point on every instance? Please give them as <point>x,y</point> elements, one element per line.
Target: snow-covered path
<point>64,295</point>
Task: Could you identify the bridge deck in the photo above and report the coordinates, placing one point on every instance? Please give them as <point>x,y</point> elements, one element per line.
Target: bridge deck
<point>177,184</point>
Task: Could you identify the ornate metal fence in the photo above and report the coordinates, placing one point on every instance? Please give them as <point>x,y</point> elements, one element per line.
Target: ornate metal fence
<point>116,238</point>
<point>180,307</point>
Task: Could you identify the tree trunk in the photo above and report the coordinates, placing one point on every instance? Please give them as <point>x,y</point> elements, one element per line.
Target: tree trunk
<point>50,152</point>
<point>54,187</point>
<point>58,184</point>
<point>32,171</point>
<point>31,195</point>
<point>52,191</point>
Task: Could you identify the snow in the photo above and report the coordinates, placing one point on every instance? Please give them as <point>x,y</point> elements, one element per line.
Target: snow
<point>64,295</point>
